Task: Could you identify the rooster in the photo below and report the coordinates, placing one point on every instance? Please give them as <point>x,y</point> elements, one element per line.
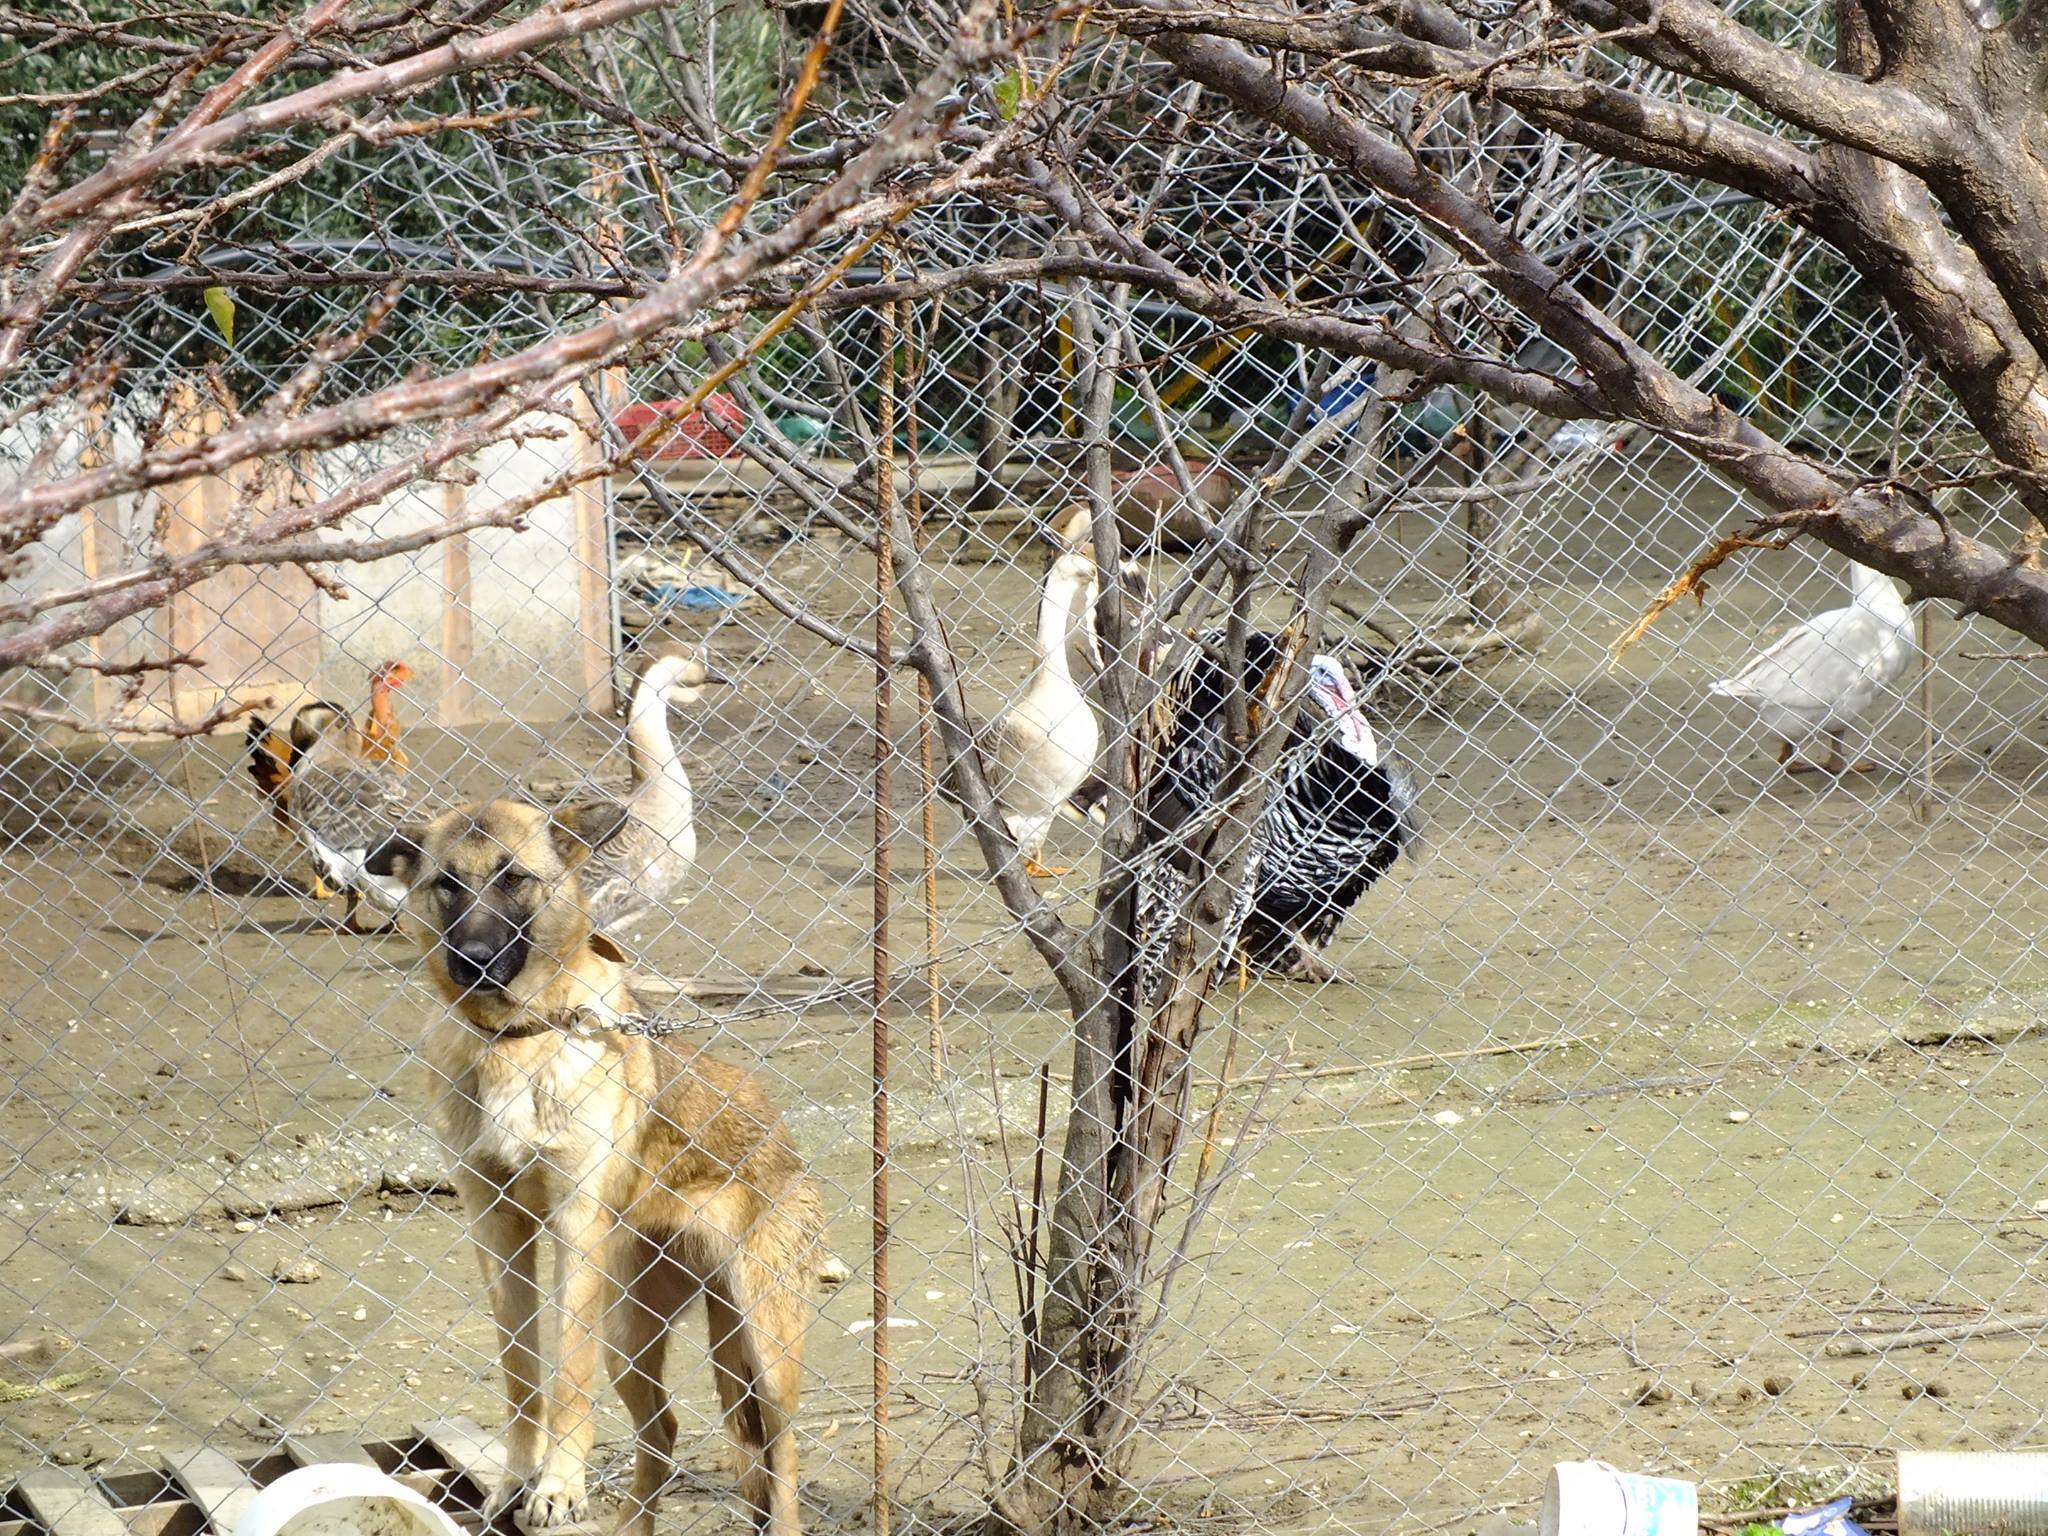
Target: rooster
<point>379,735</point>
<point>270,765</point>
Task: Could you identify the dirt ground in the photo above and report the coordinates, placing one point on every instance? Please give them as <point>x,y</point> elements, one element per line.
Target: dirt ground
<point>1654,1079</point>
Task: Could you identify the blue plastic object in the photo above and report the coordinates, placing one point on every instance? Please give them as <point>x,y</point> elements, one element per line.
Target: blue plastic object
<point>668,595</point>
<point>1828,1520</point>
<point>1344,393</point>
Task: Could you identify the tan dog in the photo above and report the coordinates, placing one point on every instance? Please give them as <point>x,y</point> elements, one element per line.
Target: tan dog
<point>661,1173</point>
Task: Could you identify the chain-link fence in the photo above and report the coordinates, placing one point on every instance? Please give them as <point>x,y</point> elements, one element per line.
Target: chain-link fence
<point>1665,1106</point>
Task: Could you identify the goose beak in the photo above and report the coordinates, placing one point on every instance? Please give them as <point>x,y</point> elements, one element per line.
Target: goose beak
<point>713,675</point>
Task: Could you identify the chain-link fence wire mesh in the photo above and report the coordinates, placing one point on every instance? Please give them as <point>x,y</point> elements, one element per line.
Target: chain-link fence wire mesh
<point>1667,1107</point>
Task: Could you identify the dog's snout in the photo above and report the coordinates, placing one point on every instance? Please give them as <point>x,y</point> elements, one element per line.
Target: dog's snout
<point>484,954</point>
<point>478,952</point>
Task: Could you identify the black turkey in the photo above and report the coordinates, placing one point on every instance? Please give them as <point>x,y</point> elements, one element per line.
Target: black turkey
<point>1336,819</point>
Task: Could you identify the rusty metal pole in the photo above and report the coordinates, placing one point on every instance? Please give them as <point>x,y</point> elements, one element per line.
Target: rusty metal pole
<point>935,1032</point>
<point>885,577</point>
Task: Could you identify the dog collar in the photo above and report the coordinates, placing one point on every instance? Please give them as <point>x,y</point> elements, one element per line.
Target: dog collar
<point>586,1023</point>
<point>514,1031</point>
<point>590,1024</point>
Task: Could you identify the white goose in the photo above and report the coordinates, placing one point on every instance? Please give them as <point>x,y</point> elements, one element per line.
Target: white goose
<point>1085,659</point>
<point>1042,750</point>
<point>631,876</point>
<point>1826,673</point>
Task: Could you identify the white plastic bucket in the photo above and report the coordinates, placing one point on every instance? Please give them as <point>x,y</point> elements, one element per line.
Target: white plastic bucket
<point>1590,1498</point>
<point>336,1499</point>
<point>2006,1492</point>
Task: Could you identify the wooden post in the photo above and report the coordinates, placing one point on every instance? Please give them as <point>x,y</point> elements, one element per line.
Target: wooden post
<point>94,552</point>
<point>458,618</point>
<point>597,407</point>
<point>189,509</point>
<point>593,552</point>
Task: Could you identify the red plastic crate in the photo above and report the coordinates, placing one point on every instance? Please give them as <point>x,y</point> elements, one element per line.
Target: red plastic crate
<point>708,433</point>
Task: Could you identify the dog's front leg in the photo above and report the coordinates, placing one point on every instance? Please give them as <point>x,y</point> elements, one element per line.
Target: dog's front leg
<point>583,1291</point>
<point>504,1222</point>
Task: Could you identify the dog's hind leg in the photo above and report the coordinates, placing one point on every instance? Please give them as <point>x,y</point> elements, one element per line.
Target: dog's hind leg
<point>647,1292</point>
<point>777,1331</point>
<point>732,1368</point>
<point>756,1336</point>
<point>506,1231</point>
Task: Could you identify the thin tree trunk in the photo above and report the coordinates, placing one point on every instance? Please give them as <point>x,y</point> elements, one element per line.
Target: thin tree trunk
<point>1487,525</point>
<point>1130,1118</point>
<point>998,432</point>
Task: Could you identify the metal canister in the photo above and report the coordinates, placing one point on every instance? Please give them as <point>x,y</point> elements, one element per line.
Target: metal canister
<point>1973,1493</point>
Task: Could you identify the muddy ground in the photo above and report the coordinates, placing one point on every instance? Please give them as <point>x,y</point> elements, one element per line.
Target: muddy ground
<point>1772,1071</point>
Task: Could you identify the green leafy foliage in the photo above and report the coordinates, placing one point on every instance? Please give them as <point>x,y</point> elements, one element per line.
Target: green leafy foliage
<point>221,305</point>
<point>1009,91</point>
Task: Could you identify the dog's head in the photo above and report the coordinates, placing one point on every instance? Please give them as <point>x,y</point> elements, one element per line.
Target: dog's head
<point>493,899</point>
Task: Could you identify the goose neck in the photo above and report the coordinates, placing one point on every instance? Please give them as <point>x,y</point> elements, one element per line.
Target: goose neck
<point>1056,606</point>
<point>648,743</point>
<point>1875,590</point>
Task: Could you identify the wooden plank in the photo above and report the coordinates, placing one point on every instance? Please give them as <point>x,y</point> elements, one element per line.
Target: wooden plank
<point>591,500</point>
<point>256,627</point>
<point>132,1490</point>
<point>325,1450</point>
<point>477,1455</point>
<point>166,1517</point>
<point>217,1485</point>
<point>480,1457</point>
<point>65,1503</point>
<point>458,620</point>
<point>187,510</point>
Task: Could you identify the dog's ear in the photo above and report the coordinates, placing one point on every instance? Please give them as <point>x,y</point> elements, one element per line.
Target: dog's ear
<point>397,857</point>
<point>605,949</point>
<point>578,831</point>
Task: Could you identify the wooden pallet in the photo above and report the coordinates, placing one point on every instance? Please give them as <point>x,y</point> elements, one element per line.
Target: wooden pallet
<point>203,1493</point>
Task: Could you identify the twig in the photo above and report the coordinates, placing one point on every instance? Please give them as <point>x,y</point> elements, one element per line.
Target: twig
<point>219,944</point>
<point>1688,584</point>
<point>1426,1059</point>
<point>195,142</point>
<point>1014,1232</point>
<point>1229,1061</point>
<point>1907,1338</point>
<point>496,385</point>
<point>1037,1213</point>
<point>1926,805</point>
